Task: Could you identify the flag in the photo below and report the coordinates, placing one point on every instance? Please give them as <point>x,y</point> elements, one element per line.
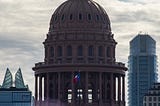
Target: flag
<point>76,78</point>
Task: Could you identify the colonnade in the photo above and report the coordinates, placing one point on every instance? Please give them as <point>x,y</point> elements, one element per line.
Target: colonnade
<point>93,87</point>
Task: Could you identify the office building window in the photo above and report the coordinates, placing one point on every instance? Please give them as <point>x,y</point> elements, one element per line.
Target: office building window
<point>150,104</point>
<point>154,104</point>
<point>150,98</point>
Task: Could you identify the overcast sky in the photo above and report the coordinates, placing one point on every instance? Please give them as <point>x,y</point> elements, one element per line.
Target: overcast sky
<point>24,24</point>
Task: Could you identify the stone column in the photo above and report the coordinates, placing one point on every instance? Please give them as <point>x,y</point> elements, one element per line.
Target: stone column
<point>111,53</point>
<point>63,53</point>
<point>112,89</point>
<point>95,54</point>
<point>100,88</point>
<point>59,87</point>
<point>74,53</point>
<point>47,88</point>
<point>86,87</point>
<point>123,88</point>
<point>40,90</point>
<point>85,53</point>
<point>119,88</point>
<point>36,90</point>
<point>105,54</point>
<point>73,90</point>
<point>36,87</point>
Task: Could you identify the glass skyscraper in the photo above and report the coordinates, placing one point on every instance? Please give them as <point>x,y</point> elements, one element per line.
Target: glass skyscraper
<point>142,68</point>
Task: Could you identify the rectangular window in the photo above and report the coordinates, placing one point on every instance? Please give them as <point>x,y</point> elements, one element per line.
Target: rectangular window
<point>150,98</point>
<point>150,104</point>
<point>154,98</point>
<point>154,104</point>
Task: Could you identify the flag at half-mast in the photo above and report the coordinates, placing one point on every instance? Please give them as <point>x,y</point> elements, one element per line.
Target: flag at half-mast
<point>76,78</point>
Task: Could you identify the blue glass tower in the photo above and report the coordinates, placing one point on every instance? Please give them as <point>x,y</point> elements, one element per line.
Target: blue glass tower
<point>142,68</point>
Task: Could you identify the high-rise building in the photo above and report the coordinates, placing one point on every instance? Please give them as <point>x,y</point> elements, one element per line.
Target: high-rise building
<point>14,93</point>
<point>80,46</point>
<point>152,97</point>
<point>142,68</point>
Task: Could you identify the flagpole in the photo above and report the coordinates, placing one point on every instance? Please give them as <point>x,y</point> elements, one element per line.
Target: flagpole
<point>79,79</point>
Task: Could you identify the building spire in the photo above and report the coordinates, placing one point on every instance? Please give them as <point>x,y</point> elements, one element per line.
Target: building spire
<point>8,80</point>
<point>19,83</point>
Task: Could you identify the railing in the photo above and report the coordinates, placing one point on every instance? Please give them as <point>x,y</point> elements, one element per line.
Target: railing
<point>71,62</point>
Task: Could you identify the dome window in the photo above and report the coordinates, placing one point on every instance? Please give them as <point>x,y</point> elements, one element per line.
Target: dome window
<point>97,17</point>
<point>69,51</point>
<point>59,51</point>
<point>89,17</point>
<point>90,51</point>
<point>80,51</point>
<point>62,17</point>
<point>80,16</point>
<point>71,17</point>
<point>100,51</point>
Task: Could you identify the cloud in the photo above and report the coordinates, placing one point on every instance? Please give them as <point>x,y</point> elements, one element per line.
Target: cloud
<point>142,1</point>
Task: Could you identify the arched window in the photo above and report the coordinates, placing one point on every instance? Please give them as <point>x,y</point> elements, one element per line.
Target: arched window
<point>62,17</point>
<point>90,51</point>
<point>51,51</point>
<point>97,17</point>
<point>69,51</point>
<point>80,51</point>
<point>59,51</point>
<point>80,16</point>
<point>71,17</point>
<point>89,17</point>
<point>108,51</point>
<point>100,51</point>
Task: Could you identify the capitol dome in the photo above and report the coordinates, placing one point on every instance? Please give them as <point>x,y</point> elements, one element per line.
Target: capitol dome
<point>80,66</point>
<point>80,45</point>
<point>78,15</point>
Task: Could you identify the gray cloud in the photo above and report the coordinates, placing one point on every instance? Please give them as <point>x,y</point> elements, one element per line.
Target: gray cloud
<point>24,24</point>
